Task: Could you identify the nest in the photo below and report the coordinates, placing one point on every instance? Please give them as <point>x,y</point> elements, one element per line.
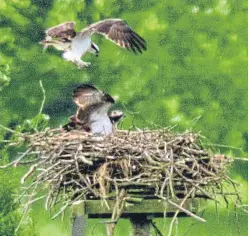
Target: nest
<point>69,166</point>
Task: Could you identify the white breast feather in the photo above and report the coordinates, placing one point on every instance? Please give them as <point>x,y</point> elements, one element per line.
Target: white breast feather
<point>100,122</point>
<point>80,45</point>
<point>102,125</point>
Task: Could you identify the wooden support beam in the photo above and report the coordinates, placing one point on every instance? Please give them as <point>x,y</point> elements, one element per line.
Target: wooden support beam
<point>79,217</point>
<point>97,209</point>
<point>140,225</point>
<point>79,225</point>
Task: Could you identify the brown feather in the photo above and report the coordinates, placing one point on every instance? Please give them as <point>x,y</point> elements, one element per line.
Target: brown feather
<point>119,32</point>
<point>139,40</point>
<point>89,98</point>
<point>65,30</point>
<point>85,95</point>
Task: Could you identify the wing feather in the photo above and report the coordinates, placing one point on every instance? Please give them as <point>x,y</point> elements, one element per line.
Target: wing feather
<point>137,46</point>
<point>139,40</point>
<point>88,97</point>
<point>64,30</point>
<point>119,32</point>
<point>129,44</point>
<point>91,102</point>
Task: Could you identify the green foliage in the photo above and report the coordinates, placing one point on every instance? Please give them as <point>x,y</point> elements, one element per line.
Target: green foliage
<point>37,123</point>
<point>4,78</point>
<point>10,212</point>
<point>7,220</point>
<point>193,75</point>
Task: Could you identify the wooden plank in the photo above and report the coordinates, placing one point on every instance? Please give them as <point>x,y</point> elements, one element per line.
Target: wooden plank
<point>147,206</point>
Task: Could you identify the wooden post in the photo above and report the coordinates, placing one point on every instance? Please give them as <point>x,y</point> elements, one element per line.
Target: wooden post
<point>79,226</point>
<point>140,225</point>
<point>79,219</point>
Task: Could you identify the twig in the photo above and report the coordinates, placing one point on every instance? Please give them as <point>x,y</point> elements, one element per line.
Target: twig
<point>8,129</point>
<point>44,97</point>
<point>42,103</point>
<point>177,211</point>
<point>156,229</point>
<point>63,208</point>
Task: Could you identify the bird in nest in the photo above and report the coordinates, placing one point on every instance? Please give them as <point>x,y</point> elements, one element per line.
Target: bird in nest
<point>92,112</point>
<point>76,44</point>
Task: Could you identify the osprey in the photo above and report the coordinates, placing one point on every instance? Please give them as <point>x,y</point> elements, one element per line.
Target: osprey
<point>114,116</point>
<point>92,113</point>
<point>64,38</point>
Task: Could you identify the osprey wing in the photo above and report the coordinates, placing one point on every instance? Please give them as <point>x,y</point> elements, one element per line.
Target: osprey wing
<point>86,96</point>
<point>119,32</point>
<point>65,30</point>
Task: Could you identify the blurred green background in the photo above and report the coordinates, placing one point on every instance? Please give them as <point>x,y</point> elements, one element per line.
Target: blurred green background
<point>193,75</point>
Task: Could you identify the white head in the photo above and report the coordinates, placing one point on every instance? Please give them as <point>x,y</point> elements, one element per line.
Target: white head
<point>115,116</point>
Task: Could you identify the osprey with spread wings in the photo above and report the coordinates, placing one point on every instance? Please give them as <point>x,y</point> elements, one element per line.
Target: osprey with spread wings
<point>92,112</point>
<point>64,38</point>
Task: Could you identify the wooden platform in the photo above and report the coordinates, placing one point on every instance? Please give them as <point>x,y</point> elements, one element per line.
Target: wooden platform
<point>140,213</point>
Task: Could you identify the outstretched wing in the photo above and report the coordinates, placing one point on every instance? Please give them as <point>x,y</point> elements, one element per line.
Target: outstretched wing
<point>90,101</point>
<point>86,95</point>
<point>65,30</point>
<point>119,32</point>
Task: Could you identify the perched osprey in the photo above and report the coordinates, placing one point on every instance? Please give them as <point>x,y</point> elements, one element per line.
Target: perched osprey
<point>114,116</point>
<point>92,113</point>
<point>64,38</point>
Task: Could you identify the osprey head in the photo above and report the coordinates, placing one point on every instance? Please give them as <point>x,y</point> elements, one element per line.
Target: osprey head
<point>115,116</point>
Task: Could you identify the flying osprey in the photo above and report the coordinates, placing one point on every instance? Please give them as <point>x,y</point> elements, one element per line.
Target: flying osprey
<point>64,38</point>
<point>92,113</point>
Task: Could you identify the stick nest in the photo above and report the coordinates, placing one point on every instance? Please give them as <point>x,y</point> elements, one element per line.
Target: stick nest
<point>69,166</point>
